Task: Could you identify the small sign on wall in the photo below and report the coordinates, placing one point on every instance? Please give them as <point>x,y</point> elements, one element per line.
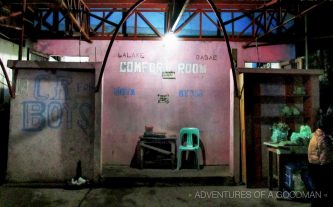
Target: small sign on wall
<point>163,98</point>
<point>169,75</point>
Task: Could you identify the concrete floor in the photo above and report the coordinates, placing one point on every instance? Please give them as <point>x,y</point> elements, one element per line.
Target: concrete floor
<point>156,196</point>
<point>123,186</point>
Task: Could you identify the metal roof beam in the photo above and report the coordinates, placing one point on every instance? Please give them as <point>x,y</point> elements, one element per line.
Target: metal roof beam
<point>75,22</point>
<point>283,23</point>
<point>176,9</point>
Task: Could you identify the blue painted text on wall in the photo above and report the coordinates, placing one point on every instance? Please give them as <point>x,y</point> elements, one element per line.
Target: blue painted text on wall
<point>60,89</point>
<point>190,93</point>
<point>53,106</point>
<point>38,115</point>
<point>123,91</point>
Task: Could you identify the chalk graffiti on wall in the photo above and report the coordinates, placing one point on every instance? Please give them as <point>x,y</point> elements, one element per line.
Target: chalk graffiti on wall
<point>141,55</point>
<point>206,57</point>
<point>119,91</point>
<point>131,55</point>
<point>190,93</point>
<point>53,106</point>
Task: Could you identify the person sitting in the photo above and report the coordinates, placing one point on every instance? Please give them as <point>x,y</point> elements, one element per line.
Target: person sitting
<point>320,157</point>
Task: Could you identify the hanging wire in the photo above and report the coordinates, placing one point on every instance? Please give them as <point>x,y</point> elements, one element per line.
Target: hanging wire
<point>80,47</point>
<point>95,55</point>
<point>257,48</point>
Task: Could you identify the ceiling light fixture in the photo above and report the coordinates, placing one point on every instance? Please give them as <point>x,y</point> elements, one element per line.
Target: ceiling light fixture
<point>169,39</point>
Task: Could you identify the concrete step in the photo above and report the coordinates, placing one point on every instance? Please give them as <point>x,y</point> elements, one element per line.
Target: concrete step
<point>115,175</point>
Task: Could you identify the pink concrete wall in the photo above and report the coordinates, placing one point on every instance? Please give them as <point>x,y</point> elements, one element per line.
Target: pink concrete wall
<point>197,98</point>
<point>96,50</point>
<point>206,108</point>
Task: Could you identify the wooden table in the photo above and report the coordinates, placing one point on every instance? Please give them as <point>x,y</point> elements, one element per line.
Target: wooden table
<point>155,143</point>
<point>283,153</point>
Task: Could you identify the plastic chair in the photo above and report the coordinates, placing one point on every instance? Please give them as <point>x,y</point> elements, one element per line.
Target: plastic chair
<point>188,144</point>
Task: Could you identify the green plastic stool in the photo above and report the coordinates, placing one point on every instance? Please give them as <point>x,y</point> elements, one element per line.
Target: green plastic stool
<point>188,144</point>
